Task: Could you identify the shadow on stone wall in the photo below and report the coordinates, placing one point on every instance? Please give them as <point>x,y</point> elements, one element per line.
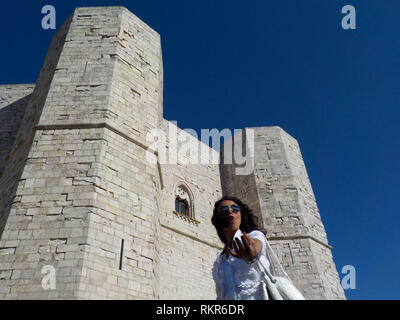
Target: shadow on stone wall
<point>11,178</point>
<point>10,119</point>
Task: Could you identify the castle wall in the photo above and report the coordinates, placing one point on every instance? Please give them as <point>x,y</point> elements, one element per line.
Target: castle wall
<point>189,246</point>
<point>123,208</point>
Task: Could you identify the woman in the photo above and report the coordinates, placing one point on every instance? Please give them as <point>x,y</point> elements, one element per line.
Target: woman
<point>235,274</point>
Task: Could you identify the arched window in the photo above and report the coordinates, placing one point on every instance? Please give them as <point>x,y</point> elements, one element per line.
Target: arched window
<point>183,201</point>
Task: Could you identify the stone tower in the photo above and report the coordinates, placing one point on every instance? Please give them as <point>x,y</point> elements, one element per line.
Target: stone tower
<point>88,210</point>
<point>279,192</point>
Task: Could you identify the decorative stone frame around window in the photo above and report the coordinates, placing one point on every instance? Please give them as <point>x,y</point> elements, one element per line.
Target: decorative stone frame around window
<point>184,203</point>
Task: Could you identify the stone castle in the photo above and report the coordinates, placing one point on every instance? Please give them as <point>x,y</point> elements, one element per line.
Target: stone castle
<point>78,193</point>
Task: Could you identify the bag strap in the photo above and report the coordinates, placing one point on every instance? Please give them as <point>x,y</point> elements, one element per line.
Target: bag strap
<point>276,260</point>
<point>265,271</point>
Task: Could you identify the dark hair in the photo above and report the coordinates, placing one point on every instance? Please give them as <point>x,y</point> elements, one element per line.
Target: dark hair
<point>249,221</point>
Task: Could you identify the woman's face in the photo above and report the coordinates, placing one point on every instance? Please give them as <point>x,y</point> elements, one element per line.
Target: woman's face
<point>234,218</point>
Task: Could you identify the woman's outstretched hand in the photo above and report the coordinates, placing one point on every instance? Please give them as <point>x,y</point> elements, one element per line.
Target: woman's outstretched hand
<point>247,249</point>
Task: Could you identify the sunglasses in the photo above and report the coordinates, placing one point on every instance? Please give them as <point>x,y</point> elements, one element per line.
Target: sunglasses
<point>235,208</point>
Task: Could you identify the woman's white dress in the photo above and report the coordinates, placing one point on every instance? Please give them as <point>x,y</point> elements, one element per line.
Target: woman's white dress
<point>235,279</point>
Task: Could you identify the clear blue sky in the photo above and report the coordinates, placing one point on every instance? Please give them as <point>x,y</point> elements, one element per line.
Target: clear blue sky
<point>235,64</point>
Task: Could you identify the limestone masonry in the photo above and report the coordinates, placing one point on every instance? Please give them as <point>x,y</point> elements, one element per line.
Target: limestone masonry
<point>77,192</point>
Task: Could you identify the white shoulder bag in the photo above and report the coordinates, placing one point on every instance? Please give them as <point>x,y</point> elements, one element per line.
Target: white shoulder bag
<point>277,287</point>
